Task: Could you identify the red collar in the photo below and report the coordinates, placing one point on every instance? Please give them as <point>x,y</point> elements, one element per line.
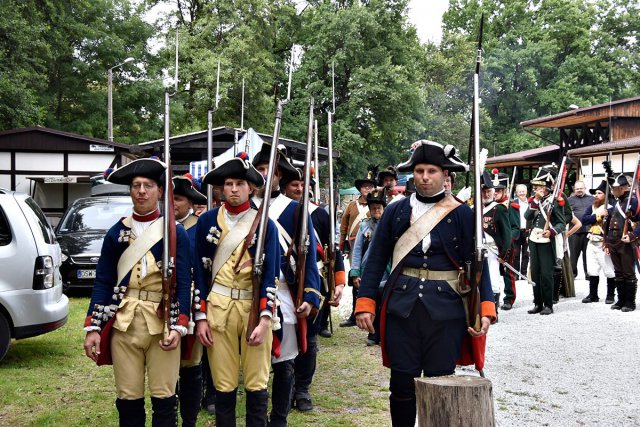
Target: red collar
<point>237,209</point>
<point>504,199</point>
<point>148,217</point>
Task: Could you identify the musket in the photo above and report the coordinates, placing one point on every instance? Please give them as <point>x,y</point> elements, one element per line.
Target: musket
<point>332,249</point>
<point>316,189</point>
<point>263,213</point>
<point>557,190</point>
<point>510,267</point>
<point>628,214</point>
<point>608,173</point>
<point>210,139</point>
<point>474,138</point>
<point>474,268</point>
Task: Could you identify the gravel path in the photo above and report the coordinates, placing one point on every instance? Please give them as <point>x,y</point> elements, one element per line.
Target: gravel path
<point>577,367</point>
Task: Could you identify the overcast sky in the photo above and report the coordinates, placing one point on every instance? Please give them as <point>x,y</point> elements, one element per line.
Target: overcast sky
<point>426,15</point>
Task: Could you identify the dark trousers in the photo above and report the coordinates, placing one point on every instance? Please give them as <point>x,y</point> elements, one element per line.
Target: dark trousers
<point>281,392</point>
<point>578,245</point>
<point>623,259</point>
<point>542,264</point>
<point>324,317</point>
<point>305,368</point>
<point>521,256</point>
<point>509,279</point>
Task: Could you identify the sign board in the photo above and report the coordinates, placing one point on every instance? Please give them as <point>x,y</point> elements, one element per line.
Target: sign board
<point>60,180</point>
<point>101,148</point>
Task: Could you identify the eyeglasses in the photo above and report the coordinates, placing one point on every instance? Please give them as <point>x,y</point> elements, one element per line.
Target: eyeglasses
<point>147,186</point>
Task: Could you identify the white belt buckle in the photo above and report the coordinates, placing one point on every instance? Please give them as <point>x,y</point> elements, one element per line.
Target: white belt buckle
<point>145,297</point>
<point>235,294</point>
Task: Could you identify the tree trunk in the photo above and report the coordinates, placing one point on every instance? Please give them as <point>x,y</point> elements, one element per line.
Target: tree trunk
<point>455,400</point>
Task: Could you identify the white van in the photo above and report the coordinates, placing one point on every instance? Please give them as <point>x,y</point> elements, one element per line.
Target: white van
<point>31,298</point>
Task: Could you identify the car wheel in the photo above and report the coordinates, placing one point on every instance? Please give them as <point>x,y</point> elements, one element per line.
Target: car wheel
<point>5,336</point>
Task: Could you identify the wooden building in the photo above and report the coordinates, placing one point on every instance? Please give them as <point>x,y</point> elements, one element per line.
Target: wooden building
<point>55,167</point>
<point>587,136</point>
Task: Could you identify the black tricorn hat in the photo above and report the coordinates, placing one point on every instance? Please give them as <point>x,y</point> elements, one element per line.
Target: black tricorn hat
<point>486,181</point>
<point>371,177</point>
<point>389,171</point>
<point>602,187</point>
<point>286,168</point>
<point>377,196</point>
<point>287,178</point>
<point>151,168</point>
<point>620,181</point>
<point>234,168</point>
<point>183,186</point>
<point>433,153</point>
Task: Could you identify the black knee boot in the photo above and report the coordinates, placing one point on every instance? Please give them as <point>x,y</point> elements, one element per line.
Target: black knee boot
<point>165,411</point>
<point>631,287</point>
<point>281,392</point>
<point>190,394</point>
<point>557,283</point>
<point>226,408</point>
<point>257,408</point>
<point>403,411</point>
<point>611,290</point>
<point>593,290</point>
<point>620,287</point>
<point>131,412</point>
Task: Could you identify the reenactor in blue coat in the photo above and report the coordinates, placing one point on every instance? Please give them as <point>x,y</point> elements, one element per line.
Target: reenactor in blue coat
<point>547,221</point>
<point>131,259</point>
<point>225,251</point>
<point>423,321</point>
<point>185,196</point>
<point>305,363</point>
<point>282,210</point>
<point>620,246</point>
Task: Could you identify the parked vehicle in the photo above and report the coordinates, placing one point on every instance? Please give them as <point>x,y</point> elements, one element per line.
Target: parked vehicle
<point>81,232</point>
<point>31,298</point>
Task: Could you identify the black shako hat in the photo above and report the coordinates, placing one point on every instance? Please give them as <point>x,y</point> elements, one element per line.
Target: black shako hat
<point>500,179</point>
<point>602,187</point>
<point>389,171</point>
<point>234,168</point>
<point>151,168</point>
<point>287,170</point>
<point>433,153</point>
<point>486,181</point>
<point>377,196</point>
<point>183,186</point>
<point>546,176</point>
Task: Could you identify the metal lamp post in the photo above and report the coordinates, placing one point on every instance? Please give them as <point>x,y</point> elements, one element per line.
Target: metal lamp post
<point>110,97</point>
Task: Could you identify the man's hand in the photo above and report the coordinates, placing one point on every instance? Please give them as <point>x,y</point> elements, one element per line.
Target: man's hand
<point>356,282</point>
<point>172,341</point>
<point>203,332</point>
<point>257,336</point>
<point>626,238</point>
<point>337,295</point>
<point>546,233</point>
<point>365,322</point>
<point>304,310</point>
<point>485,322</point>
<point>92,345</point>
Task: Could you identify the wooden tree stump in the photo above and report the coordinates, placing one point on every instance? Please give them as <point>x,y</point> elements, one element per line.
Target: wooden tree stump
<point>455,400</point>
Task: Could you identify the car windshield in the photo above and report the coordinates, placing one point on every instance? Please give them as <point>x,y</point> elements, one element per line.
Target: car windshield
<point>93,217</point>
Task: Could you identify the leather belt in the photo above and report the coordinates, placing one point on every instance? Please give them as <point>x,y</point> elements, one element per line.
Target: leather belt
<point>143,295</point>
<point>233,293</point>
<point>423,273</point>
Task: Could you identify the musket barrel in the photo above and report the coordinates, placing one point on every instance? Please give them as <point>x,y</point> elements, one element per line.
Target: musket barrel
<point>209,156</point>
<point>332,203</point>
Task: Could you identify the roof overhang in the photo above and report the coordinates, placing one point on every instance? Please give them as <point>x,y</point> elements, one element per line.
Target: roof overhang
<point>532,157</point>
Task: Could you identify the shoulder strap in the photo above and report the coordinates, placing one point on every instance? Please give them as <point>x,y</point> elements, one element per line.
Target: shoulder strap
<point>138,248</point>
<point>423,226</point>
<point>231,241</point>
<point>249,238</point>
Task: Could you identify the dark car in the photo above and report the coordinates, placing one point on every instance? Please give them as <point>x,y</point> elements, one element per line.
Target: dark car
<point>80,234</point>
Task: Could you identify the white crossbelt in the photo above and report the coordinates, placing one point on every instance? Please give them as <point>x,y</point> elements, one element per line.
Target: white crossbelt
<point>233,293</point>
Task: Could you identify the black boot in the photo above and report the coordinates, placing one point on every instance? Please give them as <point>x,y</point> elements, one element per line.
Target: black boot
<point>631,287</point>
<point>620,287</point>
<point>403,411</point>
<point>611,291</point>
<point>557,284</point>
<point>131,412</point>
<point>257,408</point>
<point>165,411</point>
<point>593,290</point>
<point>226,408</point>
<point>190,394</point>
<point>535,310</point>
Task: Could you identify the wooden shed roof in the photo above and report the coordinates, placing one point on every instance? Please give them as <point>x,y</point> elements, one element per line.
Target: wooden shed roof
<point>38,138</point>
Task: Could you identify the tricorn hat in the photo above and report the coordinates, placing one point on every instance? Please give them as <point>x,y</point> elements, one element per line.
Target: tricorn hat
<point>486,181</point>
<point>183,186</point>
<point>602,187</point>
<point>620,181</point>
<point>234,168</point>
<point>546,176</point>
<point>150,167</point>
<point>389,171</point>
<point>377,196</point>
<point>433,153</point>
<point>371,178</point>
<point>287,178</point>
<point>287,170</point>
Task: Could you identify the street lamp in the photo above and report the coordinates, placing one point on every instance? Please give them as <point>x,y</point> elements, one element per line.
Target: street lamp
<point>110,97</point>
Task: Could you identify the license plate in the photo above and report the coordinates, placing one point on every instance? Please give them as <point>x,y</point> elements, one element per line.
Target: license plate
<point>86,274</point>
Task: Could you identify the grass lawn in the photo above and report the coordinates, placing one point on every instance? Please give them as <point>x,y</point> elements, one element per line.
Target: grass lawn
<point>48,381</point>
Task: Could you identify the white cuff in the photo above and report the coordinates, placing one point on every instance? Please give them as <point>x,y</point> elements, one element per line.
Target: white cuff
<point>267,313</point>
<point>201,316</point>
<point>92,328</point>
<point>181,329</point>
